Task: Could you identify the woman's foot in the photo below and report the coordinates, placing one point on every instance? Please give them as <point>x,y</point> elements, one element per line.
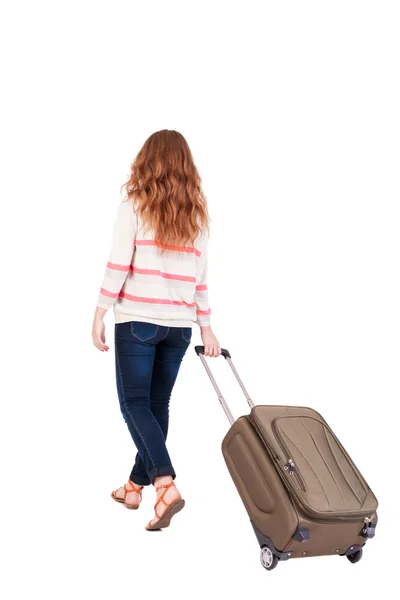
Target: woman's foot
<point>168,502</point>
<point>130,494</point>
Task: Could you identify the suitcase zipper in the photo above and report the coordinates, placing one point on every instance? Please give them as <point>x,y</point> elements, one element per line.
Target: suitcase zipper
<point>293,490</point>
<point>290,467</point>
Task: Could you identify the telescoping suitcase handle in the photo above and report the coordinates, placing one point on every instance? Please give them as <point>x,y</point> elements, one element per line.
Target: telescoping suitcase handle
<point>225,353</point>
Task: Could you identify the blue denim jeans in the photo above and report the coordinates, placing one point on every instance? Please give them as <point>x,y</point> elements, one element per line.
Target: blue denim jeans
<point>147,359</point>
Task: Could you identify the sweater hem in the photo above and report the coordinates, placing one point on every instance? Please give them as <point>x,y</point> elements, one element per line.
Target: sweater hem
<point>126,318</point>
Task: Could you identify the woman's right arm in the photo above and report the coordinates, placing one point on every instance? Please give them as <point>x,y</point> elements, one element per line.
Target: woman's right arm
<point>117,269</point>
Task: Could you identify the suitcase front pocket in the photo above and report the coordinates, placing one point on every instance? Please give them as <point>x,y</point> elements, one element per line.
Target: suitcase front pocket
<point>327,484</point>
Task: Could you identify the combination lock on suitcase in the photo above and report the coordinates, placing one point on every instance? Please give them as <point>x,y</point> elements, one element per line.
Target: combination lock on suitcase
<point>303,493</point>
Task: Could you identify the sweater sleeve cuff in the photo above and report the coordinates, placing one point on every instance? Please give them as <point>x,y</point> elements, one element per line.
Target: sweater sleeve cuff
<point>204,321</point>
<point>103,306</point>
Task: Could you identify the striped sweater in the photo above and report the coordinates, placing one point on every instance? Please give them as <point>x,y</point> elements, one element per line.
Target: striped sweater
<point>143,284</point>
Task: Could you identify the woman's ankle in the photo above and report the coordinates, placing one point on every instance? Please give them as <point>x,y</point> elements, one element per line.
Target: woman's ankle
<point>163,480</point>
<point>137,485</point>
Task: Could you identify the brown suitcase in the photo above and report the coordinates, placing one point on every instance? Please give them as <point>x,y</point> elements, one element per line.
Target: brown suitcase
<point>303,493</point>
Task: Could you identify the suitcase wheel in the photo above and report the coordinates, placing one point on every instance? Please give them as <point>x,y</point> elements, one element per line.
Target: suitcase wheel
<point>268,559</point>
<point>356,557</point>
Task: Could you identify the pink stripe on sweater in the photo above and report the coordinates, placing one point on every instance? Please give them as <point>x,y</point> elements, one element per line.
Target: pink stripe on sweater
<point>203,313</point>
<point>187,249</point>
<point>109,294</point>
<point>201,288</point>
<point>156,300</point>
<point>115,267</point>
<point>161,274</point>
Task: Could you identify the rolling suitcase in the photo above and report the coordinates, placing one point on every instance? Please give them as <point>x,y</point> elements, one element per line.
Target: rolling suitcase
<point>303,493</point>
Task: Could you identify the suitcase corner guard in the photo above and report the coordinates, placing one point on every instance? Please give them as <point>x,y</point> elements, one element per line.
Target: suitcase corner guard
<point>263,540</point>
<point>368,530</point>
<point>301,534</point>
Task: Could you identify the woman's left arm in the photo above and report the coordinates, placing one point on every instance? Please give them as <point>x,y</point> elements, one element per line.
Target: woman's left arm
<point>118,266</point>
<point>203,311</point>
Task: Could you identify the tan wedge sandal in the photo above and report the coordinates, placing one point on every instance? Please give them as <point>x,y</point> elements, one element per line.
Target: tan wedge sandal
<point>133,488</point>
<point>171,510</point>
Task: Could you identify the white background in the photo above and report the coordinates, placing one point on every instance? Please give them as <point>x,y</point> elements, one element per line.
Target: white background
<point>292,113</point>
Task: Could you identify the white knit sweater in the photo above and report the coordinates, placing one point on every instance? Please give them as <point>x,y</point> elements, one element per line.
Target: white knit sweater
<point>143,284</point>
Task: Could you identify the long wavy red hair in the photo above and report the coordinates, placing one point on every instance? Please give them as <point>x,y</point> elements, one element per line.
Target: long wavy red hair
<point>165,188</point>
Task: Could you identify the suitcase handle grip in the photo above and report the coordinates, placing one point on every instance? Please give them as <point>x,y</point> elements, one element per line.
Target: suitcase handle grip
<point>200,350</point>
<point>225,353</point>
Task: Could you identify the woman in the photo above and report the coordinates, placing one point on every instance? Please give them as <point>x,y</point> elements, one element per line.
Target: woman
<point>156,282</point>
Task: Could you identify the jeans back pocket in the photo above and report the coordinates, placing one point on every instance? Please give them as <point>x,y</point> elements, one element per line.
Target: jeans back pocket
<point>187,334</point>
<point>144,332</point>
